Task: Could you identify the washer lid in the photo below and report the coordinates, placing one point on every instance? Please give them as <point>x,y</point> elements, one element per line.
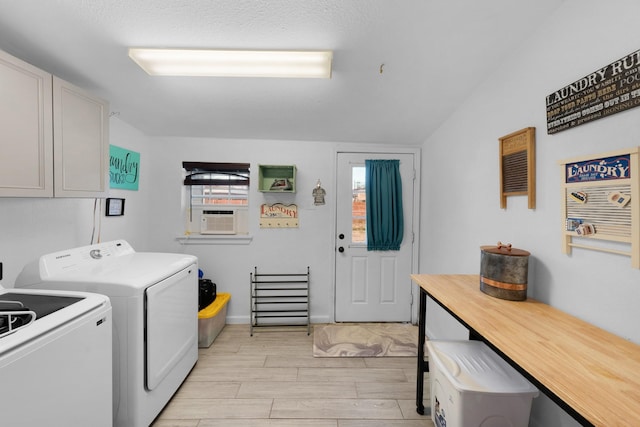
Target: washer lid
<point>68,307</point>
<point>42,305</point>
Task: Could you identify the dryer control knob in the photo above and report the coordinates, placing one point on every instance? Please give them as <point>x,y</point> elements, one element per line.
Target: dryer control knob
<point>95,254</point>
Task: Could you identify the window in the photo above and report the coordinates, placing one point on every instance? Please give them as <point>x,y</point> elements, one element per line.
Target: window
<point>217,183</point>
<point>215,186</point>
<point>359,205</point>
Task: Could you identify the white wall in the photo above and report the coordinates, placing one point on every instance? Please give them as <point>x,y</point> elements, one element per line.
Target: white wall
<point>271,250</point>
<point>603,289</point>
<point>30,227</point>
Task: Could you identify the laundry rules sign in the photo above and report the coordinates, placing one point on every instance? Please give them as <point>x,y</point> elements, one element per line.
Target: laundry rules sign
<point>609,90</point>
<point>124,168</point>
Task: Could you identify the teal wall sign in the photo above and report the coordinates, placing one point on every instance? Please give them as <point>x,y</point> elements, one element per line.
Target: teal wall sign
<point>124,168</point>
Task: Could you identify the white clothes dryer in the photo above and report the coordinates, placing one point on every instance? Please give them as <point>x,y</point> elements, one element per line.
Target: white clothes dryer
<point>154,297</point>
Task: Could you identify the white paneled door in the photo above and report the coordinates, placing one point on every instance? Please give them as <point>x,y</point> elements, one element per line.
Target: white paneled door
<point>371,286</point>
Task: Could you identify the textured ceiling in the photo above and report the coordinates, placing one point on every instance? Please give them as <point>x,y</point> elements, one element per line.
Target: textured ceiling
<point>400,66</point>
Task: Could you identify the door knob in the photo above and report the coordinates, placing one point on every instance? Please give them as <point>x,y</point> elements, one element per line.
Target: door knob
<point>340,249</point>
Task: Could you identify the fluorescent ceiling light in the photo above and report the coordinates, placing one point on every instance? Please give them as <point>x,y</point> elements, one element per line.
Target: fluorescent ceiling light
<point>234,63</point>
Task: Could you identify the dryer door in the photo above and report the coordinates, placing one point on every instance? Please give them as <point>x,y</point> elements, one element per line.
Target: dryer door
<point>171,323</point>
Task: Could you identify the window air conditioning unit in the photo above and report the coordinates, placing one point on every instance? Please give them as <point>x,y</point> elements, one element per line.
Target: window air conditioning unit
<point>218,222</point>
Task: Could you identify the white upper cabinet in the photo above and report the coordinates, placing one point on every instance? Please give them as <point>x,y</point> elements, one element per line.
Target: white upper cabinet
<point>26,137</point>
<point>54,136</point>
<point>80,142</point>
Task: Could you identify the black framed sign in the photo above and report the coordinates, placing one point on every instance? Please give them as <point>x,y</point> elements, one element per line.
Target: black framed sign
<point>609,90</point>
<point>115,207</point>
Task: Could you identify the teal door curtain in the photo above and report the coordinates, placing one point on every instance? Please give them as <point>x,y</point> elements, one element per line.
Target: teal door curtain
<point>385,223</point>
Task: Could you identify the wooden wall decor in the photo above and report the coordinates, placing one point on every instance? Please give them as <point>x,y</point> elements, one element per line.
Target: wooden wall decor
<point>278,215</point>
<point>601,201</point>
<point>518,166</point>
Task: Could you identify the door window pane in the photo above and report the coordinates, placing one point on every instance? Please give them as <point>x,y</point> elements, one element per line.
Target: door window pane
<point>359,207</point>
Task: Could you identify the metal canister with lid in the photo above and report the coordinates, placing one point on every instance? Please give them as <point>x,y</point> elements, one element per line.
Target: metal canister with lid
<point>504,271</point>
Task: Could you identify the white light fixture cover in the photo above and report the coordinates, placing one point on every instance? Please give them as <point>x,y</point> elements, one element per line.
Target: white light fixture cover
<point>233,63</point>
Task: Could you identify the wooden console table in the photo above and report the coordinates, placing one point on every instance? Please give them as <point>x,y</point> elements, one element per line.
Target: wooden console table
<point>592,374</point>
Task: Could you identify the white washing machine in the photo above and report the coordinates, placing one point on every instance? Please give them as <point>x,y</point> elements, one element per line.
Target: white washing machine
<point>55,359</point>
<point>154,297</point>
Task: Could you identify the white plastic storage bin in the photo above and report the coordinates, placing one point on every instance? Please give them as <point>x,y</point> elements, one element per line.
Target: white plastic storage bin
<point>471,386</point>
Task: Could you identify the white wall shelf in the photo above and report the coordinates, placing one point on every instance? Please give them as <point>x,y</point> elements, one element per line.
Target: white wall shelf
<point>199,239</point>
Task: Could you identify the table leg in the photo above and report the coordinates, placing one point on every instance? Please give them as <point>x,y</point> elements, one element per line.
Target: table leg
<point>422,365</point>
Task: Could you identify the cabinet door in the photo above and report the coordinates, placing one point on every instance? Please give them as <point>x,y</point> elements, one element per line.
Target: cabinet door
<point>26,142</point>
<point>81,142</point>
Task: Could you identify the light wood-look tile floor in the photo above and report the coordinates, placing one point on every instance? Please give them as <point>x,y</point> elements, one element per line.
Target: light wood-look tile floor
<point>272,379</point>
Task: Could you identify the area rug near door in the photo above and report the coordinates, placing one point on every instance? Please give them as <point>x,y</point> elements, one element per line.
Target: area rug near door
<point>365,340</point>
